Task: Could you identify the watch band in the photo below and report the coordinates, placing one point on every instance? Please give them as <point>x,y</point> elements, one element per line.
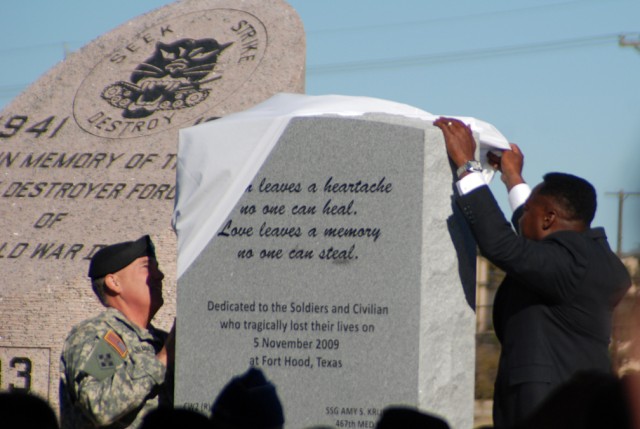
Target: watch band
<point>469,166</point>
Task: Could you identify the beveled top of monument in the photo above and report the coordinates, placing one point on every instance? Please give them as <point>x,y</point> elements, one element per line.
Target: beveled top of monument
<point>88,151</point>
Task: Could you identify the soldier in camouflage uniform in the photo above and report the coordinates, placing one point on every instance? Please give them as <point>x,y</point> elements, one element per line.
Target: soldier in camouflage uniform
<point>113,368</point>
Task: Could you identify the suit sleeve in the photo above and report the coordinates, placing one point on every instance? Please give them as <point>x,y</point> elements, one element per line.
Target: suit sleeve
<point>107,385</point>
<point>551,268</point>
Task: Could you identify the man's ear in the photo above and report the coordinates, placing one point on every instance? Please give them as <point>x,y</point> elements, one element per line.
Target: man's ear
<point>112,285</point>
<point>549,219</point>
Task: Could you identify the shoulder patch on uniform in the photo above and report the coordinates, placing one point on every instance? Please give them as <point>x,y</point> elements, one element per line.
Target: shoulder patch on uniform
<point>103,361</point>
<point>116,342</point>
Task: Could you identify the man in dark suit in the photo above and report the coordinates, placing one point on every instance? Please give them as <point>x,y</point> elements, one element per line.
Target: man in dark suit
<point>552,314</point>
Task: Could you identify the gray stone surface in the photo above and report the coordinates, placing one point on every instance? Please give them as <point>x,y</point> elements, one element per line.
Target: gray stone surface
<point>343,325</point>
<point>87,156</point>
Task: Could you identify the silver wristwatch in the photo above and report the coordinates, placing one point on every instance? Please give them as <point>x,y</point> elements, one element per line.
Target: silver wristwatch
<point>469,166</point>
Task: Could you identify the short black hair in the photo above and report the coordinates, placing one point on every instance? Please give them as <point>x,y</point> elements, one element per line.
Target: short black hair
<point>574,194</point>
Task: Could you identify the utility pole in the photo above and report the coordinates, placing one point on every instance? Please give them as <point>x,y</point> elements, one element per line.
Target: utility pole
<point>625,40</point>
<point>632,40</point>
<point>621,197</point>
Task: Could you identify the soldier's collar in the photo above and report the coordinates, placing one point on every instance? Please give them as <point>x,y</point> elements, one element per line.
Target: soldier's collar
<point>143,334</point>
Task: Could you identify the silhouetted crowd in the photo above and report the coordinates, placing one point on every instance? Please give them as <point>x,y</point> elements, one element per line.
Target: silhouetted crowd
<point>590,400</point>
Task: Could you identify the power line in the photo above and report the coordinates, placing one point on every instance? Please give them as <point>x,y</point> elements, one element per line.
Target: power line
<point>8,91</point>
<point>465,55</point>
<point>630,40</point>
<point>352,29</point>
<point>25,49</point>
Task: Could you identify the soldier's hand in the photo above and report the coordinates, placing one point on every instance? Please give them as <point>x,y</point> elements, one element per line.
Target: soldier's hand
<point>167,354</point>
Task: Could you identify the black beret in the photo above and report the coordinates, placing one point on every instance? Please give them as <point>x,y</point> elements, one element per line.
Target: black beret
<point>248,402</point>
<point>113,258</point>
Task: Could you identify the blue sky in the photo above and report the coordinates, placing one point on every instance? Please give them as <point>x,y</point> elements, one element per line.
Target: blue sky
<point>550,75</point>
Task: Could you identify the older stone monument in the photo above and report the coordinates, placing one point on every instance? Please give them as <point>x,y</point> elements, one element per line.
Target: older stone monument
<point>88,157</point>
<point>317,241</point>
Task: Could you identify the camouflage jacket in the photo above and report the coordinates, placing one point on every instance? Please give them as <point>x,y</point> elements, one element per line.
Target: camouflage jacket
<point>109,375</point>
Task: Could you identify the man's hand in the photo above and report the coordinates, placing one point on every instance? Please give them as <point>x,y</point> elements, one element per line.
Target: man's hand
<point>461,147</point>
<point>509,164</point>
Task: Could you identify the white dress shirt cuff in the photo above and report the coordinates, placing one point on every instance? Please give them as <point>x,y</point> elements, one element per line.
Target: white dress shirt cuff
<point>470,182</point>
<point>518,195</point>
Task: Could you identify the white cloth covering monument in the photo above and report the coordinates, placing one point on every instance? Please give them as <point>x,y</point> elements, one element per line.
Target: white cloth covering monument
<point>317,241</point>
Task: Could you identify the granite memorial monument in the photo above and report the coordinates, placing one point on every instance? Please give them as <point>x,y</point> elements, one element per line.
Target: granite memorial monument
<point>317,241</point>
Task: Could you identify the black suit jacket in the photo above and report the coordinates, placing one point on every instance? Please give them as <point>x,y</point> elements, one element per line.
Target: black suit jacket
<point>553,311</point>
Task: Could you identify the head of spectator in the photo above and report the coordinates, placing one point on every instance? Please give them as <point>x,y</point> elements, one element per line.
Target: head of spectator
<point>248,401</point>
<point>26,410</point>
<point>126,276</point>
<point>320,427</point>
<point>397,417</point>
<point>589,400</point>
<point>178,418</point>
